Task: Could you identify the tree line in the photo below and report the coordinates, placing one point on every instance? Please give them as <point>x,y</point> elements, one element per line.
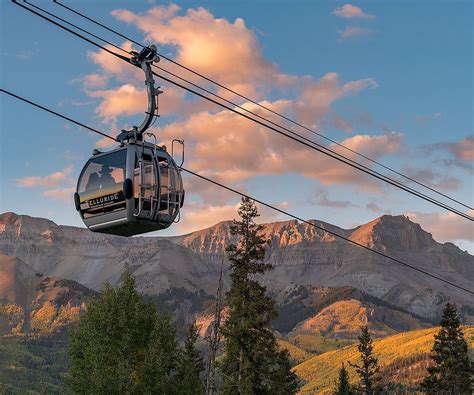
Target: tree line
<point>124,345</point>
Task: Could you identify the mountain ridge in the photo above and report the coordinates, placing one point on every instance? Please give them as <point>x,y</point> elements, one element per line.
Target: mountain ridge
<point>299,253</point>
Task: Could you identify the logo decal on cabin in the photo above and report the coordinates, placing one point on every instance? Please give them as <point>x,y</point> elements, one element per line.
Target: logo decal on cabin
<point>106,200</point>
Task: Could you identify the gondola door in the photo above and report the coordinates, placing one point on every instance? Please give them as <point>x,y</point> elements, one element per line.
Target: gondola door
<point>145,184</point>
<point>171,192</point>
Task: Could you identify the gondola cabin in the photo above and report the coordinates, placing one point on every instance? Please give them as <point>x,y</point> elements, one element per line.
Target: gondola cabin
<point>134,189</point>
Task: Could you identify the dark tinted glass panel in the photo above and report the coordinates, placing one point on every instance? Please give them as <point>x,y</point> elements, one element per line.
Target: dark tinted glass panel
<point>101,184</point>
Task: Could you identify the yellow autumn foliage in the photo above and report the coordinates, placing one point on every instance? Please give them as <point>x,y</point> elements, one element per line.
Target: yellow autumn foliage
<point>14,316</point>
<point>48,318</point>
<point>320,372</point>
<point>42,318</point>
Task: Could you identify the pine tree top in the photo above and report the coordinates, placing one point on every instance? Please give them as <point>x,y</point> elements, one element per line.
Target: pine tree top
<point>450,316</point>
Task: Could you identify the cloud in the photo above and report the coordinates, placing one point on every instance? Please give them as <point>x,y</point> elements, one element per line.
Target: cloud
<point>316,98</point>
<point>112,65</point>
<point>353,31</point>
<point>374,207</point>
<point>60,181</point>
<point>341,123</point>
<point>95,80</point>
<point>350,11</point>
<point>369,145</point>
<point>220,144</point>
<point>65,194</point>
<point>463,149</point>
<point>432,179</point>
<point>218,48</point>
<point>459,153</point>
<point>105,143</point>
<point>126,100</point>
<point>232,149</point>
<point>208,45</point>
<point>445,227</point>
<point>321,199</point>
<point>53,180</point>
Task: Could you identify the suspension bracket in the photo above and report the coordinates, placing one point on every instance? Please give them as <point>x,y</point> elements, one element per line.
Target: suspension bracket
<point>144,59</point>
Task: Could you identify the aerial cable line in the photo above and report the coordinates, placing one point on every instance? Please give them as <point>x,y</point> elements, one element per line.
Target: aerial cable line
<point>321,148</point>
<point>235,191</point>
<point>75,26</point>
<point>359,166</point>
<point>258,104</point>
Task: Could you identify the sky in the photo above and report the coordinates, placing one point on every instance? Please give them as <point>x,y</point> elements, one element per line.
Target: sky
<point>392,80</point>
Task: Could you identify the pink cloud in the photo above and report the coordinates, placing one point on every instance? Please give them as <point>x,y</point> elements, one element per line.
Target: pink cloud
<point>125,100</point>
<point>208,45</point>
<point>350,11</point>
<point>105,143</point>
<point>445,227</point>
<point>53,180</point>
<point>316,98</point>
<point>198,216</point>
<point>215,47</point>
<point>464,149</point>
<point>341,123</point>
<point>111,65</point>
<point>372,146</point>
<point>95,80</point>
<point>218,144</point>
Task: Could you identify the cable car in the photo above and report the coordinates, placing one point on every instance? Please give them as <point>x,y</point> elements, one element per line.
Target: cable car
<point>137,187</point>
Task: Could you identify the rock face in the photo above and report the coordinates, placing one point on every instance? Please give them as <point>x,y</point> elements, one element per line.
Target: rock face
<point>301,255</point>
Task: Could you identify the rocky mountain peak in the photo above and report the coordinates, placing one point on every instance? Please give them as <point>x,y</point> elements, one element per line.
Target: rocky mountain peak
<point>213,240</point>
<point>386,232</point>
<point>11,222</point>
<point>393,232</point>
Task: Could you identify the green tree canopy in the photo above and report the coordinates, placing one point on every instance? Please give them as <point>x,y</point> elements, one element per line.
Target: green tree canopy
<point>253,364</point>
<point>191,365</point>
<point>452,372</point>
<point>122,345</point>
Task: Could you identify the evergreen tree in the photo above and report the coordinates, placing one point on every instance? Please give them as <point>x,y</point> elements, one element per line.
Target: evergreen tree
<point>122,345</point>
<point>343,387</point>
<point>368,369</point>
<point>452,372</point>
<point>252,364</point>
<point>191,365</point>
<point>161,358</point>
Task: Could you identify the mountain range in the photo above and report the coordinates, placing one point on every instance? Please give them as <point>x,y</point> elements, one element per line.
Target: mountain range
<point>182,271</point>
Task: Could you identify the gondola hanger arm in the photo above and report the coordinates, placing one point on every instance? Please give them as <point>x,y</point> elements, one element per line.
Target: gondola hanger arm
<point>144,59</point>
